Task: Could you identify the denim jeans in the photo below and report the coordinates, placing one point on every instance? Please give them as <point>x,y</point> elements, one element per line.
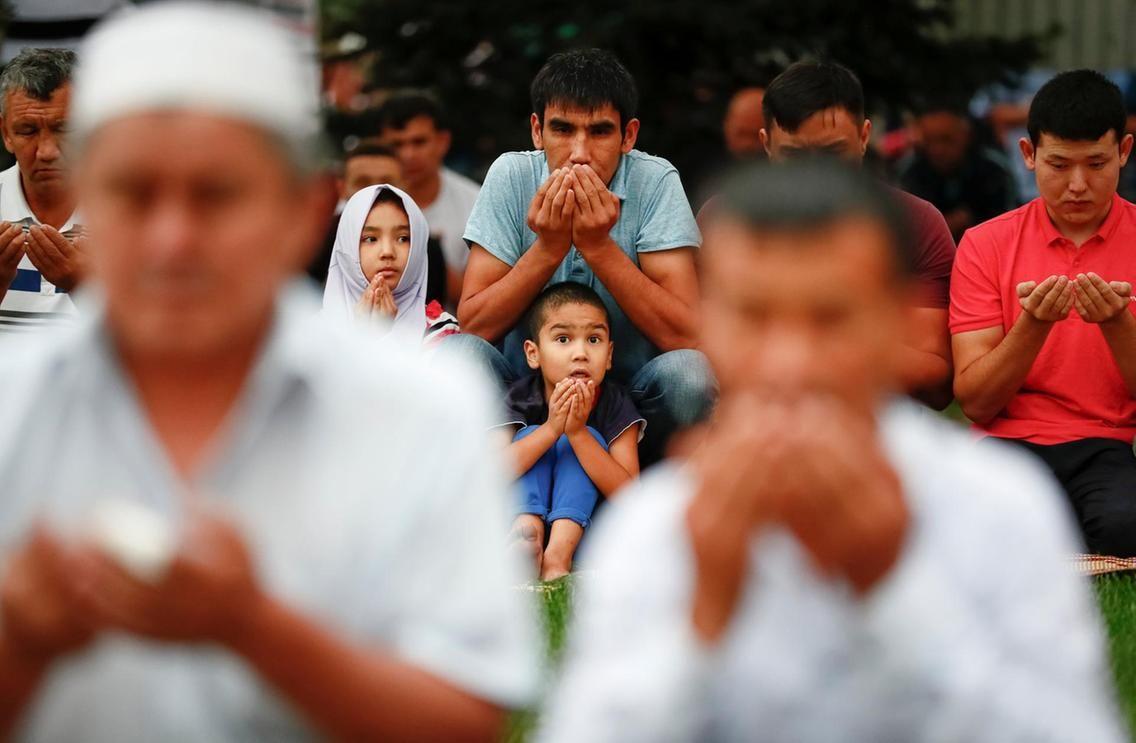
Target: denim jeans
<point>557,487</point>
<point>672,391</point>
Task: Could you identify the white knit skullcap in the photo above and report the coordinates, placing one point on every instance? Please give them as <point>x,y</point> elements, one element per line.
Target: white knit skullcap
<point>229,60</point>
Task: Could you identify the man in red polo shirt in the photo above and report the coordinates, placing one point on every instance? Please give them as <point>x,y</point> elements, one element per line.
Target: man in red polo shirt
<point>1042,325</point>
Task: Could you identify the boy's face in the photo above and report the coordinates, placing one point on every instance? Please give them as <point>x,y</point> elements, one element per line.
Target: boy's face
<point>574,341</point>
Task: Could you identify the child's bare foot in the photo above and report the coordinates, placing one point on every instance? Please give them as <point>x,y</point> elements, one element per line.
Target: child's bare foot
<point>555,565</point>
<point>527,538</point>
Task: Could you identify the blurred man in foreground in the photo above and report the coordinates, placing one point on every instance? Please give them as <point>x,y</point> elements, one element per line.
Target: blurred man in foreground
<point>41,257</point>
<point>818,108</point>
<point>239,533</point>
<point>829,564</point>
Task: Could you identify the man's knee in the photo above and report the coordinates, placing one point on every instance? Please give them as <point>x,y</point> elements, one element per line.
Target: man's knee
<point>682,384</point>
<point>1115,534</point>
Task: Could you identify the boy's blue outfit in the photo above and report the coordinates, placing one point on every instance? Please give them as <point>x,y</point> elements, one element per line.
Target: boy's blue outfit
<point>557,487</point>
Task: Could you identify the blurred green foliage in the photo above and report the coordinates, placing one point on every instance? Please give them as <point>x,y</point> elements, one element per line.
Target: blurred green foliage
<point>687,56</point>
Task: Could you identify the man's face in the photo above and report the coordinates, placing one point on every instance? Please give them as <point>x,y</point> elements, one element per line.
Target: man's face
<point>192,241</point>
<point>369,170</point>
<point>833,131</point>
<point>577,136</point>
<point>788,315</point>
<point>945,139</point>
<point>1077,179</point>
<point>743,124</point>
<point>33,132</point>
<point>421,147</point>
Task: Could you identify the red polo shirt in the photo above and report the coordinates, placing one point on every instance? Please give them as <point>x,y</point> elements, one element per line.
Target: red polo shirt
<point>1074,389</point>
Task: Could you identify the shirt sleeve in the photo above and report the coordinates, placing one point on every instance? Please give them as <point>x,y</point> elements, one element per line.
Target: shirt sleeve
<point>619,414</point>
<point>976,302</point>
<point>936,255</point>
<point>625,679</point>
<point>457,612</point>
<point>668,221</point>
<point>1016,656</point>
<point>498,220</point>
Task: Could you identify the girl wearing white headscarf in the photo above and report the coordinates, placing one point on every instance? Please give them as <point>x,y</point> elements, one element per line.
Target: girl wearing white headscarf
<point>378,265</point>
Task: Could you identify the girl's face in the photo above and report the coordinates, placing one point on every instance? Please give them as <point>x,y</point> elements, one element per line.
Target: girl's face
<point>384,246</point>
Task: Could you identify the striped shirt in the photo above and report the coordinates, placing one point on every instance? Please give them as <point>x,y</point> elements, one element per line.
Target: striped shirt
<point>31,302</point>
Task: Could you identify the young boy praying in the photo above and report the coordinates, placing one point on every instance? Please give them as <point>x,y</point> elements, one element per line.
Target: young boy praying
<point>576,436</point>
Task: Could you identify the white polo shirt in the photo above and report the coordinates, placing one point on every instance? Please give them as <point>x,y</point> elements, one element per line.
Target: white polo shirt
<point>31,302</point>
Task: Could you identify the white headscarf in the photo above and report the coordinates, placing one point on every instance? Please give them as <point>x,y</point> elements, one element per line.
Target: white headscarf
<point>345,280</point>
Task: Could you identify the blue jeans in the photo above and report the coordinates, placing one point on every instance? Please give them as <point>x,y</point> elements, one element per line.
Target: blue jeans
<point>557,487</point>
<point>672,391</point>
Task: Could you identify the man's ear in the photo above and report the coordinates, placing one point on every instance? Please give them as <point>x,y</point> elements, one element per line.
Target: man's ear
<point>537,134</point>
<point>1125,149</point>
<point>764,136</point>
<point>1029,153</point>
<point>865,136</point>
<point>630,136</point>
<point>532,355</point>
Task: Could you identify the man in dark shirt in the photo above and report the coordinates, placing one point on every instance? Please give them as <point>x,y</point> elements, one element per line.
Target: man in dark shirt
<point>818,108</point>
<point>967,182</point>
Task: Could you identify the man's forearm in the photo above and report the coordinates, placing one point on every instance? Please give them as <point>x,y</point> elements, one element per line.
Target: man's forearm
<point>984,387</point>
<point>20,677</point>
<point>1120,334</point>
<point>354,693</point>
<point>605,473</point>
<point>492,312</point>
<point>525,452</point>
<point>664,318</point>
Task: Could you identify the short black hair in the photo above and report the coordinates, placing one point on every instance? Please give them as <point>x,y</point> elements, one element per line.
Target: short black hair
<point>558,295</point>
<point>806,88</point>
<point>805,195</point>
<point>410,103</point>
<point>588,79</point>
<point>1079,105</point>
<point>369,149</point>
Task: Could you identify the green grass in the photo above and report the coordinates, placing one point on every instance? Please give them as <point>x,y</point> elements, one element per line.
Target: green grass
<point>1116,593</point>
<point>1117,597</point>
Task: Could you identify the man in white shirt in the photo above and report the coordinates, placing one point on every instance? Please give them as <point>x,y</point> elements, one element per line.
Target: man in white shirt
<point>41,252</point>
<point>222,519</point>
<point>829,564</point>
<point>413,124</point>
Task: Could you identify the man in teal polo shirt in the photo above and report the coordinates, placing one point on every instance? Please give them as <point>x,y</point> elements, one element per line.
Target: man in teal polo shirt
<point>587,207</point>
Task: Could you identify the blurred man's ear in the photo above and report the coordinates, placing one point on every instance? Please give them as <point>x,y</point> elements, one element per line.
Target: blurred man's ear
<point>532,355</point>
<point>865,136</point>
<point>445,139</point>
<point>1029,154</point>
<point>764,134</point>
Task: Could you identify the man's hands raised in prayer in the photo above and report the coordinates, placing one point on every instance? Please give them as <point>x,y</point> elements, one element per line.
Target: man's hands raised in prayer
<point>552,210</point>
<point>61,261</point>
<point>12,240</point>
<point>1100,301</point>
<point>813,468</point>
<point>597,209</point>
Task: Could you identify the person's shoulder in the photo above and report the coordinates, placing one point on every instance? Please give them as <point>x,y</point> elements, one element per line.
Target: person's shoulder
<point>520,161</point>
<point>642,165</point>
<point>998,229</point>
<point>647,512</point>
<point>919,210</point>
<point>955,478</point>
